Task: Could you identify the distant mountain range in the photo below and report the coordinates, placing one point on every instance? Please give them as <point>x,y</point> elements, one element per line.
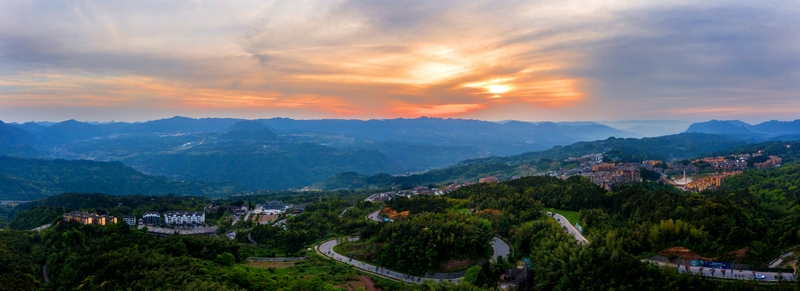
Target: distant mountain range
<point>493,138</point>
<point>498,139</point>
<point>17,142</point>
<point>281,153</point>
<point>650,128</point>
<point>670,147</point>
<point>766,130</point>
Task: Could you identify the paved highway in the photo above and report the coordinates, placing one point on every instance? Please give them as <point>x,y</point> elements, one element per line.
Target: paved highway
<point>737,274</point>
<point>569,227</point>
<point>501,248</point>
<point>326,249</point>
<point>374,216</point>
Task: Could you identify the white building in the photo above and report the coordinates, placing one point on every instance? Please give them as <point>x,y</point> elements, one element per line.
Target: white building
<point>184,217</point>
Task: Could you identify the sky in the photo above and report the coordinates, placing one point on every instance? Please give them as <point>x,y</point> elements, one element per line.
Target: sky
<point>491,60</point>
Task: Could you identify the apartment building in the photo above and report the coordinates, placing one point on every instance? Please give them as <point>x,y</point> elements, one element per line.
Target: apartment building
<point>184,217</point>
<point>89,218</point>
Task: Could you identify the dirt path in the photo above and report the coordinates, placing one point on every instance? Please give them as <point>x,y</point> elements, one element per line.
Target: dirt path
<point>369,285</point>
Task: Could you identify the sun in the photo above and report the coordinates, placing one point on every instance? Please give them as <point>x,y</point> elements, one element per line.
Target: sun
<point>497,89</point>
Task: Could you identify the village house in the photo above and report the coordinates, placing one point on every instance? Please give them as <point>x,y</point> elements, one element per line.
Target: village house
<point>89,218</point>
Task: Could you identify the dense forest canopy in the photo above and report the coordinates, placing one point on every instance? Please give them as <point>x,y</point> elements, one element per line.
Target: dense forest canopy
<point>750,220</point>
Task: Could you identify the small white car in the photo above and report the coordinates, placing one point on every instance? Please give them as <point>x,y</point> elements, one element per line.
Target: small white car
<point>760,277</point>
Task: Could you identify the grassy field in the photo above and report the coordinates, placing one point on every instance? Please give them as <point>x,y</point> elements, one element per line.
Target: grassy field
<point>353,249</point>
<point>572,216</point>
<point>251,250</point>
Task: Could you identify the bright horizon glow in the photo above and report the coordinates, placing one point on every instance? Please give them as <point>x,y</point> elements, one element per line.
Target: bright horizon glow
<point>530,60</point>
<point>497,89</point>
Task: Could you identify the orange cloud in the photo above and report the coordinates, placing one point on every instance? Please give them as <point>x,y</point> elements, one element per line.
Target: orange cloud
<point>441,110</point>
<point>341,68</point>
<point>320,103</point>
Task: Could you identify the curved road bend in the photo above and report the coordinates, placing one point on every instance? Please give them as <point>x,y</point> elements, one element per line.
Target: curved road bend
<point>500,247</point>
<point>374,216</point>
<point>326,248</point>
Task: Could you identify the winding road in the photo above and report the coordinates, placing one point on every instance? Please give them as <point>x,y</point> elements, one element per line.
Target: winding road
<point>500,247</point>
<point>374,216</point>
<point>326,248</point>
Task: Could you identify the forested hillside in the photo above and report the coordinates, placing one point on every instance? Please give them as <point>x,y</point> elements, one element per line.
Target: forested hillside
<point>275,165</point>
<point>774,186</point>
<point>789,151</point>
<point>457,173</point>
<point>17,142</point>
<point>623,227</point>
<point>114,257</point>
<point>396,146</point>
<point>735,223</point>
<point>668,147</point>
<point>711,223</point>
<point>29,179</point>
<point>679,146</point>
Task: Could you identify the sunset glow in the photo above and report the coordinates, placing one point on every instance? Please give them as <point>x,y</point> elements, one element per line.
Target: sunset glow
<point>323,59</point>
<point>497,89</point>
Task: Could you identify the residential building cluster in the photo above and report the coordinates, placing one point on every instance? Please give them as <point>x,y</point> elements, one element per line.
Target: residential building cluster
<point>773,161</point>
<point>452,187</point>
<point>713,181</point>
<point>419,190</point>
<point>609,175</point>
<point>679,169</point>
<point>172,218</point>
<point>382,197</point>
<point>489,179</point>
<point>231,209</point>
<point>89,218</point>
<point>276,207</point>
<point>603,174</point>
<point>592,158</point>
<point>735,163</point>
